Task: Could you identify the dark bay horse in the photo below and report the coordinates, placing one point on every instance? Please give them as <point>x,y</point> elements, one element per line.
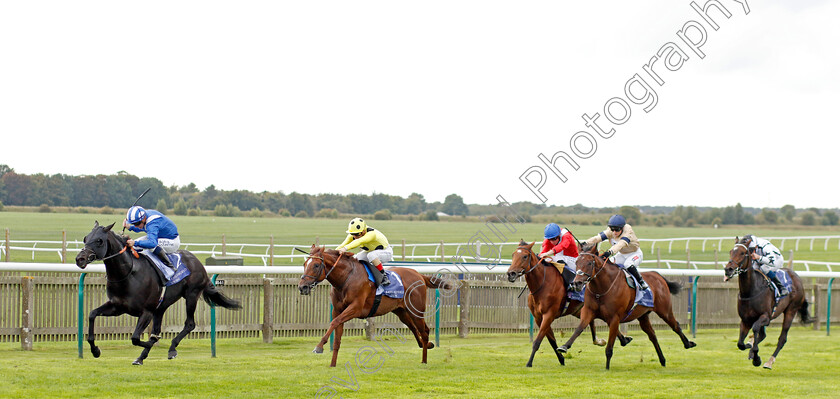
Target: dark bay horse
<point>133,287</point>
<point>609,298</point>
<point>757,302</point>
<point>547,300</point>
<point>352,295</point>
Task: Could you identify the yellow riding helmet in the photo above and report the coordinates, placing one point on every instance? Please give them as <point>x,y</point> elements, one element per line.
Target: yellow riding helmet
<point>357,225</point>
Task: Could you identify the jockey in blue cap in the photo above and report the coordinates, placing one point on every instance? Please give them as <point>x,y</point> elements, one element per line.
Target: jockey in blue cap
<point>625,246</point>
<point>161,233</point>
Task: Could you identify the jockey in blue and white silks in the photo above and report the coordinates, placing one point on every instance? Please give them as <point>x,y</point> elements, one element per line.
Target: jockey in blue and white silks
<point>767,257</point>
<point>625,248</point>
<point>161,233</point>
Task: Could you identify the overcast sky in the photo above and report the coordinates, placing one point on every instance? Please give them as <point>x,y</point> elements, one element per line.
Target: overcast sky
<point>433,97</point>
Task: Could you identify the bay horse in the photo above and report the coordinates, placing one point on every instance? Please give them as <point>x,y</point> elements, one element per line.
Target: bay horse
<point>547,299</point>
<point>352,295</point>
<point>133,287</point>
<point>757,303</point>
<point>609,298</point>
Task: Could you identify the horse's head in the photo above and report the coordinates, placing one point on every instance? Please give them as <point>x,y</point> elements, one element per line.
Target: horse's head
<point>96,245</point>
<point>588,265</point>
<point>739,259</point>
<point>314,270</point>
<point>523,261</point>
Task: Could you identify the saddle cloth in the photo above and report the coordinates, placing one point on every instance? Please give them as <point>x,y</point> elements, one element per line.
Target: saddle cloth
<point>393,290</point>
<point>784,277</point>
<point>165,273</point>
<point>643,297</point>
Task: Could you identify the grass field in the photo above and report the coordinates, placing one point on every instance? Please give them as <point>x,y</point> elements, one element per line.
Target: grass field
<point>205,229</point>
<point>480,366</point>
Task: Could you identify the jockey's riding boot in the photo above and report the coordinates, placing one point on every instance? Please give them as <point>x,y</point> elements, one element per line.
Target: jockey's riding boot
<point>377,275</point>
<point>385,280</point>
<point>782,290</point>
<point>635,272</point>
<point>161,254</point>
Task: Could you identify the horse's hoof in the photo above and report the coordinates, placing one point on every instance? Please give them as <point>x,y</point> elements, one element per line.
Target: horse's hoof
<point>756,360</point>
<point>138,362</point>
<point>768,366</point>
<point>562,349</point>
<point>318,350</point>
<point>528,365</point>
<point>95,352</point>
<point>172,354</point>
<point>599,342</point>
<point>430,345</point>
<point>744,347</point>
<point>690,345</point>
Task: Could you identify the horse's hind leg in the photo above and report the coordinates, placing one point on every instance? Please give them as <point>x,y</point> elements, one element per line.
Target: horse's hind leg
<point>189,323</point>
<point>675,325</point>
<point>644,322</point>
<point>545,329</point>
<point>405,317</point>
<point>107,309</point>
<point>142,322</point>
<point>595,340</point>
<point>553,343</point>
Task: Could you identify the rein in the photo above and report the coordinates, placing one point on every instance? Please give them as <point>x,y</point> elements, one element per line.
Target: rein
<point>592,277</point>
<point>530,254</point>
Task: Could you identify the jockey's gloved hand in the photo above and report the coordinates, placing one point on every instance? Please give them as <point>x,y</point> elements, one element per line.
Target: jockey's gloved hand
<point>606,254</point>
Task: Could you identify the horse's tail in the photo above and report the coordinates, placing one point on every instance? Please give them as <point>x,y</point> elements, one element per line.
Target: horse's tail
<point>437,282</point>
<point>213,296</point>
<point>804,316</point>
<point>674,287</point>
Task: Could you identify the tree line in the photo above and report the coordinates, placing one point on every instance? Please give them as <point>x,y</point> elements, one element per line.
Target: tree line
<point>121,189</point>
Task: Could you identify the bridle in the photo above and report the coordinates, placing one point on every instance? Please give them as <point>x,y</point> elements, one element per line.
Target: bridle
<point>589,277</point>
<point>318,267</point>
<point>742,266</point>
<point>93,256</point>
<point>529,257</point>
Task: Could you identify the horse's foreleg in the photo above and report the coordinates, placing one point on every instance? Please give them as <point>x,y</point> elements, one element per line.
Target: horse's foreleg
<point>644,322</point>
<point>608,351</point>
<point>545,328</point>
<point>107,309</point>
<point>189,324</point>
<point>758,336</point>
<point>745,329</point>
<point>142,322</point>
<point>338,319</point>
<point>339,331</point>
<point>782,338</point>
<point>586,317</point>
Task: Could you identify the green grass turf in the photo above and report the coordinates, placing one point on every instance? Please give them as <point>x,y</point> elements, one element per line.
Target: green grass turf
<point>479,366</point>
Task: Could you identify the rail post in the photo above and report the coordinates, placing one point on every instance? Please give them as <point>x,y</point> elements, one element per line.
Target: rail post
<point>816,306</point>
<point>694,307</point>
<point>268,311</point>
<point>828,309</point>
<point>213,316</point>
<point>271,251</point>
<point>7,244</point>
<point>80,334</point>
<point>464,312</point>
<point>442,255</point>
<point>403,249</point>
<point>370,329</point>
<point>27,290</point>
<point>437,313</point>
<point>63,246</point>
<point>224,246</point>
<point>658,258</point>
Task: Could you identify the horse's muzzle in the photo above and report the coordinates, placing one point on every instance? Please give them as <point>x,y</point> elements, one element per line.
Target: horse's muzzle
<point>305,289</point>
<point>512,276</point>
<point>84,258</point>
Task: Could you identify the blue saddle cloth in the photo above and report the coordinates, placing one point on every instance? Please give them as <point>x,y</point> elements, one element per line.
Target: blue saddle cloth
<point>784,277</point>
<point>643,297</point>
<point>170,277</point>
<point>393,290</point>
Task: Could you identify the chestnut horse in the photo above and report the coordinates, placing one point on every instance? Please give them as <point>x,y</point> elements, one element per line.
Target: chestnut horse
<point>610,299</point>
<point>353,296</point>
<point>757,302</point>
<point>547,300</point>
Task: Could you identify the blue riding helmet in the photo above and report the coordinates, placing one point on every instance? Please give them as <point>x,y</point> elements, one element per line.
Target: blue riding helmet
<point>135,214</point>
<point>617,221</point>
<point>552,230</point>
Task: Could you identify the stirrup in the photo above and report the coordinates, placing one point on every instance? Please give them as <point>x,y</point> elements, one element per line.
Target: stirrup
<point>385,280</point>
<point>643,285</point>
